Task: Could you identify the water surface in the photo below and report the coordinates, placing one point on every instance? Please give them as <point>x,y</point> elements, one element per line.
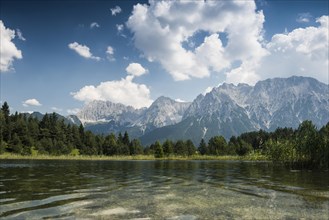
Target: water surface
<point>160,190</point>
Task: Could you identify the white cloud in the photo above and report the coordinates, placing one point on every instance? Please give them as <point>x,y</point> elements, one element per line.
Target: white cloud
<point>94,25</point>
<point>303,51</point>
<point>83,51</point>
<point>211,53</point>
<point>8,50</point>
<point>31,102</point>
<point>73,111</point>
<point>123,91</point>
<point>56,109</point>
<point>304,17</point>
<point>120,27</point>
<point>180,100</point>
<point>135,69</point>
<point>20,35</point>
<point>207,90</point>
<point>116,10</point>
<point>110,53</point>
<point>161,28</point>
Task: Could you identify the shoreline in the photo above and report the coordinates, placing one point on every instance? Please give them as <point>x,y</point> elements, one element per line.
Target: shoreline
<point>8,156</point>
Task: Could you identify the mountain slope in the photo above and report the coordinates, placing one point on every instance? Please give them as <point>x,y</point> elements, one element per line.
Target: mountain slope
<point>231,110</point>
<point>71,119</point>
<point>107,117</point>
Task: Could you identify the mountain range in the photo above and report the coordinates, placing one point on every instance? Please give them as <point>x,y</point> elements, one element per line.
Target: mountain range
<point>231,110</point>
<point>227,110</point>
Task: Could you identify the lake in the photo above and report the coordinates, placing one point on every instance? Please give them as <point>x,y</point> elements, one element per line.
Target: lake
<point>62,189</point>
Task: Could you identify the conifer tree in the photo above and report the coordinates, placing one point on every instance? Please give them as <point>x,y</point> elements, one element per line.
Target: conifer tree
<point>158,151</point>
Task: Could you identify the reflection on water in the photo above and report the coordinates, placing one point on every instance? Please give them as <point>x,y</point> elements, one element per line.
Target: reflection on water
<point>160,190</point>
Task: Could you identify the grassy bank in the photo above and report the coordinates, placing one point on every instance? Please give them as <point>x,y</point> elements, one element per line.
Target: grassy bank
<point>7,156</point>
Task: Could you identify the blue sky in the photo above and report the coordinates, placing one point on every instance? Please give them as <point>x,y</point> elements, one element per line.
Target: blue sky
<point>58,55</point>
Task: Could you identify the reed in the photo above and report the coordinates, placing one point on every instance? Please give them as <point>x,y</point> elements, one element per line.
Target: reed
<point>250,157</point>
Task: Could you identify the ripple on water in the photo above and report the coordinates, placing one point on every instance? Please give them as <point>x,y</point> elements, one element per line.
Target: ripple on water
<point>19,206</point>
<point>117,191</point>
<point>7,200</point>
<point>66,211</point>
<point>183,217</point>
<point>114,211</point>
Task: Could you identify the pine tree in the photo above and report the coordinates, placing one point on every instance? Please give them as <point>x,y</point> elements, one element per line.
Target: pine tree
<point>16,144</point>
<point>125,139</point>
<point>203,147</point>
<point>180,148</point>
<point>168,148</point>
<point>135,147</point>
<point>6,129</point>
<point>190,148</point>
<point>110,146</point>
<point>5,110</point>
<point>217,145</point>
<point>158,151</point>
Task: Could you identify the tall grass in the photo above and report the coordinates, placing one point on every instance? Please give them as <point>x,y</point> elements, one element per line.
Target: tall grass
<point>9,156</point>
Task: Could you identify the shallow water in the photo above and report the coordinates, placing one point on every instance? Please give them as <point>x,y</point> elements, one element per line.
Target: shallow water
<point>160,190</point>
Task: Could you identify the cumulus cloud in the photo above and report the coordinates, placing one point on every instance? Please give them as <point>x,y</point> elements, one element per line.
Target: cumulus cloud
<point>304,17</point>
<point>207,90</point>
<point>83,51</point>
<point>110,53</point>
<point>20,35</point>
<point>180,100</point>
<point>8,50</point>
<point>123,91</point>
<point>303,51</point>
<point>135,69</point>
<point>161,29</point>
<point>56,109</point>
<point>31,102</point>
<point>116,10</point>
<point>120,28</point>
<point>94,25</point>
<point>73,111</point>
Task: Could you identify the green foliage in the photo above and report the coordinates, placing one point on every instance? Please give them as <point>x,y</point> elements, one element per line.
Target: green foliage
<point>110,145</point>
<point>125,139</point>
<point>135,147</point>
<point>5,111</point>
<point>217,146</point>
<point>239,146</point>
<point>280,150</point>
<point>15,145</point>
<point>180,148</point>
<point>322,156</point>
<point>75,152</point>
<point>190,148</point>
<point>305,147</point>
<point>3,146</point>
<point>307,141</point>
<point>33,152</point>
<point>203,148</point>
<point>168,148</point>
<point>158,151</point>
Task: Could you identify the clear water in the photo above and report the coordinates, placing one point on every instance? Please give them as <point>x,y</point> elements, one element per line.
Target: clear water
<point>160,190</point>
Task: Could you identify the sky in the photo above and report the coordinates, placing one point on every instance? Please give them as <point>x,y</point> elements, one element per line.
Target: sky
<point>58,55</point>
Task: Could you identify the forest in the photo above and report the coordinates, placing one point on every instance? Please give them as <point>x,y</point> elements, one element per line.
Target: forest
<point>304,147</point>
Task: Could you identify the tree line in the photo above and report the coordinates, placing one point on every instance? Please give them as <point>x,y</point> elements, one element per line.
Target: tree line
<point>305,146</point>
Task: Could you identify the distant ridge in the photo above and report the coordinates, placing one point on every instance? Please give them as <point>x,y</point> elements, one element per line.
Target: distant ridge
<point>227,110</point>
